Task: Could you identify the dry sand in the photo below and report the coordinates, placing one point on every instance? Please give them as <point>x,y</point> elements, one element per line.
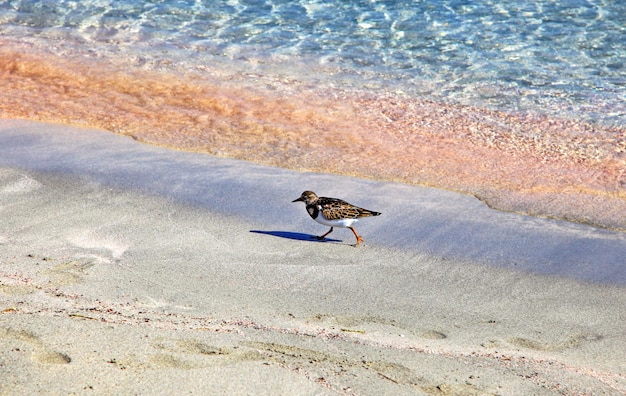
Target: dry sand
<point>131,269</point>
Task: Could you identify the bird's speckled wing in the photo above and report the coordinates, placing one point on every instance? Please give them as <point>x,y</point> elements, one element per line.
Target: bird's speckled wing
<point>335,209</point>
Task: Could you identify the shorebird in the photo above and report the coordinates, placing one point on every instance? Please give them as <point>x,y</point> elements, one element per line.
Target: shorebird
<point>334,212</point>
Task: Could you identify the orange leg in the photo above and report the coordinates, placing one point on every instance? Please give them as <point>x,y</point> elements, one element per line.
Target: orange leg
<point>319,238</point>
<point>358,238</point>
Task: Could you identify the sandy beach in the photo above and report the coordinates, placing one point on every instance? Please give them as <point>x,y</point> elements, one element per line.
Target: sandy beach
<point>127,268</point>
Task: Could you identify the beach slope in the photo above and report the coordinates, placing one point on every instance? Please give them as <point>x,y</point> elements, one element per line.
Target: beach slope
<point>128,268</point>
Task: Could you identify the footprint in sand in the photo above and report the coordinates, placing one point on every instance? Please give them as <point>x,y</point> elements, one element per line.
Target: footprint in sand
<point>162,360</point>
<point>303,358</point>
<point>67,273</point>
<point>17,289</point>
<point>186,354</point>
<point>12,182</point>
<point>356,324</point>
<point>190,346</point>
<point>41,353</point>
<point>51,357</point>
<point>572,341</point>
<point>92,241</point>
<point>340,369</point>
<point>432,335</point>
<point>353,324</point>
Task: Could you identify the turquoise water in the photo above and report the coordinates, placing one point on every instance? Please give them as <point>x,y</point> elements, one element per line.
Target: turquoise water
<point>559,58</point>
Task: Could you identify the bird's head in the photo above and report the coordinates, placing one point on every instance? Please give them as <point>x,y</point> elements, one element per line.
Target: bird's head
<point>308,197</point>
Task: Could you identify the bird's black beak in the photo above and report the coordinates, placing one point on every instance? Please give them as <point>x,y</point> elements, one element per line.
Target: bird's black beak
<point>298,200</point>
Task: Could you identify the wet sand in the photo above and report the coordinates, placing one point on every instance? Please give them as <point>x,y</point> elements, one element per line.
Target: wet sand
<point>137,269</point>
<point>522,163</point>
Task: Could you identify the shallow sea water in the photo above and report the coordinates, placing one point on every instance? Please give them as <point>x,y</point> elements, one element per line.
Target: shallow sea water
<point>521,104</point>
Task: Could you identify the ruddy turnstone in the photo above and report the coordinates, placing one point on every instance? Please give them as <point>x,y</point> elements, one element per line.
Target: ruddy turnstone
<point>333,212</point>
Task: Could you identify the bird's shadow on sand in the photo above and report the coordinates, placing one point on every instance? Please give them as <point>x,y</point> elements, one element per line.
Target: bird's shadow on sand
<point>297,236</point>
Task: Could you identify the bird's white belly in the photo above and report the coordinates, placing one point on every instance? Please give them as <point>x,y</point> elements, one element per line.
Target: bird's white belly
<point>336,223</point>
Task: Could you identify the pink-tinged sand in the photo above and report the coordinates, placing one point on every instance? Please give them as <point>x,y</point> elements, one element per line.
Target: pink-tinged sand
<point>532,164</point>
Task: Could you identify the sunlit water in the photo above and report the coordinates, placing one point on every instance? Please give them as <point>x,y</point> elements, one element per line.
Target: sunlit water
<point>520,103</point>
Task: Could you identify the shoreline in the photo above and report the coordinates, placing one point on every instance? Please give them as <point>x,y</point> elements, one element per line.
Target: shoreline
<point>157,271</point>
<point>118,162</point>
<point>537,165</point>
